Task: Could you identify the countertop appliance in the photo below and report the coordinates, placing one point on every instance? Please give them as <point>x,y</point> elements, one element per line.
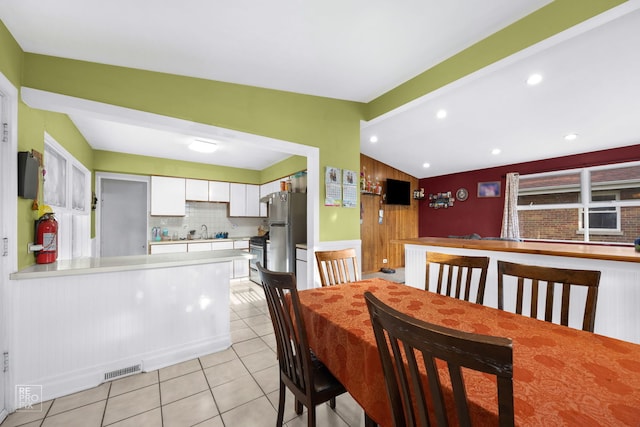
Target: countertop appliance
<point>287,227</point>
<point>258,248</point>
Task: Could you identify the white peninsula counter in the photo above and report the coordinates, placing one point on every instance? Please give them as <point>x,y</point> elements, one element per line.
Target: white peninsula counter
<point>77,323</point>
<point>617,314</point>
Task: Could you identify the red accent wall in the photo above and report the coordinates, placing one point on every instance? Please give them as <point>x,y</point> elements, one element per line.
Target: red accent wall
<point>484,215</point>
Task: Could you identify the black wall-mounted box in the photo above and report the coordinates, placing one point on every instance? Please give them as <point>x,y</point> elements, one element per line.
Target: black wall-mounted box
<point>27,175</point>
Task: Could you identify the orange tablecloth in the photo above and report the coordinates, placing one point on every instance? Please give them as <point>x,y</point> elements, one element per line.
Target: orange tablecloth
<point>562,376</point>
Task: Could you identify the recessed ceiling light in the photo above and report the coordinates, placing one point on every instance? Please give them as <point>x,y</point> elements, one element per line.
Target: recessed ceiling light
<point>534,79</point>
<point>373,139</point>
<point>441,114</point>
<point>203,146</point>
<point>495,151</point>
<point>571,136</point>
<point>425,165</point>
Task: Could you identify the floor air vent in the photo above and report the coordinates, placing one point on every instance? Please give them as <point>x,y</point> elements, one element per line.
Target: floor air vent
<point>122,372</point>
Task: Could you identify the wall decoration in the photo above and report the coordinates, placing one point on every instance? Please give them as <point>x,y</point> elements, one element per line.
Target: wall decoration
<point>462,194</point>
<point>441,200</point>
<point>489,189</point>
<point>333,187</point>
<point>349,188</point>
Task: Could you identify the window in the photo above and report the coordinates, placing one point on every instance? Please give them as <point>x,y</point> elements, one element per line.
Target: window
<point>603,219</point>
<point>551,206</point>
<point>66,189</point>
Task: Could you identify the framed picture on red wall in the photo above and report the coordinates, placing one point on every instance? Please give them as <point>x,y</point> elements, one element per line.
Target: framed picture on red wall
<point>489,189</point>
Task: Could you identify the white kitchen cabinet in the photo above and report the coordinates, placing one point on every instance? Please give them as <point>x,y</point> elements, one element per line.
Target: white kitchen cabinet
<point>244,200</point>
<point>253,200</point>
<point>237,199</point>
<point>301,269</point>
<point>218,246</point>
<point>169,248</point>
<point>241,266</point>
<point>167,196</point>
<point>197,190</point>
<point>270,187</point>
<point>218,191</point>
<point>199,247</point>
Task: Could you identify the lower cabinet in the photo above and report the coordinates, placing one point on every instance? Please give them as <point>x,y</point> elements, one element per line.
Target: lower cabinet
<point>198,247</point>
<point>241,266</point>
<point>169,248</point>
<point>301,269</point>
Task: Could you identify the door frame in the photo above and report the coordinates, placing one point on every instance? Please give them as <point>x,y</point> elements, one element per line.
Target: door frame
<point>121,177</point>
<point>8,228</point>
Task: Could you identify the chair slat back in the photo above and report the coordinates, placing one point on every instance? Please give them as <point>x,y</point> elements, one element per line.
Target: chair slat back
<point>291,338</point>
<point>546,278</point>
<point>409,349</point>
<point>336,267</point>
<point>458,267</point>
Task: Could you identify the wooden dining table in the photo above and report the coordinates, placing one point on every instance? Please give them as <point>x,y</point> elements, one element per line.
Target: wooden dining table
<point>561,375</point>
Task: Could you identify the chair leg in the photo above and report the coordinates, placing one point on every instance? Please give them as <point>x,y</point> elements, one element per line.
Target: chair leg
<point>311,419</point>
<point>368,422</point>
<point>332,403</point>
<point>298,407</point>
<point>281,399</point>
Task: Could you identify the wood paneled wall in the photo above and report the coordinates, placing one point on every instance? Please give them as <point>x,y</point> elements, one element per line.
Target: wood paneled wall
<point>397,222</point>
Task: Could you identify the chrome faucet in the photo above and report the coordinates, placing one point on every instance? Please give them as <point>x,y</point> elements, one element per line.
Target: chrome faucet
<point>205,232</point>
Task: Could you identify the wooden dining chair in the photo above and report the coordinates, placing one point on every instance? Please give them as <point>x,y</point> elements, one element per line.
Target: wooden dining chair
<point>458,267</point>
<point>308,379</point>
<point>539,278</point>
<point>409,349</point>
<point>337,267</point>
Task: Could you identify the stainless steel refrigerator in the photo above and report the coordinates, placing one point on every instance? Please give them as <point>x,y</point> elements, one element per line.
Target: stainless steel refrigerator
<point>287,227</point>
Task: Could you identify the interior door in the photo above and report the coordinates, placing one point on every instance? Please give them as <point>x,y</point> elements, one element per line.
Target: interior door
<point>123,217</point>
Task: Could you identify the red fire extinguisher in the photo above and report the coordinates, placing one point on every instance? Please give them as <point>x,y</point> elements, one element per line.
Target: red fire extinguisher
<point>47,236</point>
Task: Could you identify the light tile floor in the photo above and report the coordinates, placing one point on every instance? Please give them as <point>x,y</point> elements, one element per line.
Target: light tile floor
<point>234,387</point>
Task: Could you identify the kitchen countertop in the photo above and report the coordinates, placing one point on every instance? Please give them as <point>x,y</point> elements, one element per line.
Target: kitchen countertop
<point>600,252</point>
<point>166,242</point>
<point>125,263</point>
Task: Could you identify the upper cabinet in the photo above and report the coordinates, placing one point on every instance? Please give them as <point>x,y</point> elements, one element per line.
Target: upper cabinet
<point>168,196</point>
<point>218,191</point>
<point>244,200</point>
<point>197,190</point>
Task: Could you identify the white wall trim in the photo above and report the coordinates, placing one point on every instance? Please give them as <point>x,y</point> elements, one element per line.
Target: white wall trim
<point>8,226</point>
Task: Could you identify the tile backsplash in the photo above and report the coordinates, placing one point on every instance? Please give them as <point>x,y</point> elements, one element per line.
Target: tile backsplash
<point>213,215</point>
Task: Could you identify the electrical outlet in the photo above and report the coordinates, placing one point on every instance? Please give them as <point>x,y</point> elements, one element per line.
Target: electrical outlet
<point>384,260</point>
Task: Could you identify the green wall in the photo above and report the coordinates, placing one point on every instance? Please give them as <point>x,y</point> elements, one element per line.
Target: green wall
<point>32,125</point>
<point>11,56</point>
<point>283,168</point>
<point>108,161</point>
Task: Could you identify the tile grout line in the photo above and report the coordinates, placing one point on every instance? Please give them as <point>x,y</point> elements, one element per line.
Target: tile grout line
<point>104,411</point>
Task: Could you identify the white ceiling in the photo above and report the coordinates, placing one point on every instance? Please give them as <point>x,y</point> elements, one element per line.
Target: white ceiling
<point>356,50</point>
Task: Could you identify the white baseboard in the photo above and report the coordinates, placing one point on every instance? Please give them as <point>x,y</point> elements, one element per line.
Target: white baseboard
<point>83,379</point>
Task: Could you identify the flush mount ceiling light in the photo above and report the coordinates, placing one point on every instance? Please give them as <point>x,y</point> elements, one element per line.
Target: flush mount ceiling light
<point>373,139</point>
<point>203,146</point>
<point>441,114</point>
<point>534,79</point>
<point>495,151</point>
<point>571,136</point>
<point>425,165</point>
